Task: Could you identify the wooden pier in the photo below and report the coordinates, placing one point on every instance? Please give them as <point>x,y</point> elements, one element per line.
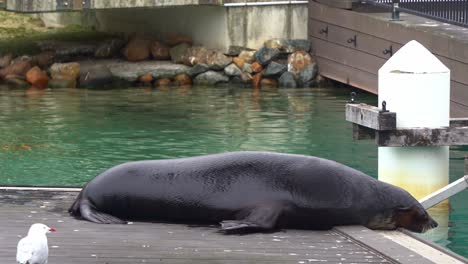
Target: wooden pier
<point>84,242</point>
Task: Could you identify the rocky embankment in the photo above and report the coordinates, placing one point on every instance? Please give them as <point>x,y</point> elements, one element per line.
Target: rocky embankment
<point>173,61</point>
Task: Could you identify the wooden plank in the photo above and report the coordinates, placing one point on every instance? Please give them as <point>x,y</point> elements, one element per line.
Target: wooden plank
<point>457,136</point>
<point>370,116</point>
<point>83,242</point>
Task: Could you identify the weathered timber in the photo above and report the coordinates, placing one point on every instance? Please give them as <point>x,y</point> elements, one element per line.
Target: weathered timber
<point>459,122</point>
<point>370,116</point>
<point>453,136</point>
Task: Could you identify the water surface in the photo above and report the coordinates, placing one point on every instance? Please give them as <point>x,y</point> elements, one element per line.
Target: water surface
<point>66,137</point>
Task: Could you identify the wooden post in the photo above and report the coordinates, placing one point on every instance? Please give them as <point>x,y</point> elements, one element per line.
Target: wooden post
<point>416,86</point>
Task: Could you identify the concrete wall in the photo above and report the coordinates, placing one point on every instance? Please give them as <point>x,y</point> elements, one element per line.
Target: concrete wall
<point>215,27</point>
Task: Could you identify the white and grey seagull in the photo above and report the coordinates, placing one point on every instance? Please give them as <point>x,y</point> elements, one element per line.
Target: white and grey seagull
<point>33,248</point>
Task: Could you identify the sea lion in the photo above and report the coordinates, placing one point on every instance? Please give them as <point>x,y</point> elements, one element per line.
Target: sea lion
<point>248,191</point>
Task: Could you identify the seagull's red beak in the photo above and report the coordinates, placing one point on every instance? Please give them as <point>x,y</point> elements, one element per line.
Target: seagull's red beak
<point>52,230</point>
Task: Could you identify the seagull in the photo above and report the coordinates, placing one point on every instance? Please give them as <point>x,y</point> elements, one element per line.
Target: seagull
<point>33,248</point>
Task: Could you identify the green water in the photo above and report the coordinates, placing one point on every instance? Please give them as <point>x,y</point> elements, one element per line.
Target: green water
<point>66,137</point>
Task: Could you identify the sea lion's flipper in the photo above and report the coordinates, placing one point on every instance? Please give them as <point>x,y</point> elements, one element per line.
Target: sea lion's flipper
<point>88,211</point>
<point>259,218</point>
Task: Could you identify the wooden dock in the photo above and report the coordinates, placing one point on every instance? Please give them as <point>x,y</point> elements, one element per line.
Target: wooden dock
<point>84,242</point>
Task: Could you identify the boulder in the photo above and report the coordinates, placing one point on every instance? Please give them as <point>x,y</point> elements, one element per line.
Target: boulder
<point>247,55</point>
<point>256,79</point>
<point>67,71</point>
<point>66,51</point>
<point>6,59</point>
<point>178,53</point>
<point>95,76</point>
<point>61,83</point>
<point>239,62</point>
<point>246,78</point>
<point>266,55</point>
<point>19,66</point>
<point>288,45</point>
<point>109,49</point>
<point>176,39</point>
<point>247,68</point>
<point>298,61</point>
<point>308,74</point>
<point>37,77</point>
<point>16,81</point>
<point>197,69</point>
<point>163,82</point>
<point>146,78</point>
<point>197,55</point>
<point>210,78</point>
<point>234,50</point>
<point>256,67</point>
<point>274,69</point>
<point>232,70</point>
<point>138,49</point>
<point>182,80</point>
<point>268,83</point>
<point>131,71</point>
<point>44,59</point>
<point>287,80</point>
<point>218,61</point>
<point>160,51</point>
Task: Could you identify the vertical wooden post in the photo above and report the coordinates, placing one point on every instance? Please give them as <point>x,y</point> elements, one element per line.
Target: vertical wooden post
<point>416,85</point>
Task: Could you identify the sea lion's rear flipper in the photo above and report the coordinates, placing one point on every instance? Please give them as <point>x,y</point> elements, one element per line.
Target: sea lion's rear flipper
<point>83,208</point>
<point>260,218</point>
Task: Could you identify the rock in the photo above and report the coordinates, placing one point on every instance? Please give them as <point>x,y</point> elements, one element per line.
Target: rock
<point>182,80</point>
<point>311,83</point>
<point>256,79</point>
<point>68,50</point>
<point>247,55</point>
<point>160,51</point>
<point>297,45</point>
<point>308,74</point>
<point>37,77</point>
<point>210,78</point>
<point>95,76</point>
<point>67,71</point>
<point>298,61</point>
<point>131,71</point>
<point>138,49</point>
<point>61,83</point>
<point>197,69</point>
<point>197,55</point>
<point>232,70</point>
<point>19,66</point>
<point>236,50</point>
<point>268,82</point>
<point>178,53</point>
<point>177,39</point>
<point>246,77</point>
<point>109,49</point>
<point>146,78</point>
<point>274,69</point>
<point>247,68</point>
<point>256,67</point>
<point>6,59</point>
<point>266,55</point>
<point>164,82</point>
<point>288,45</point>
<point>239,62</point>
<point>287,80</point>
<point>218,61</point>
<point>16,81</point>
<point>44,59</point>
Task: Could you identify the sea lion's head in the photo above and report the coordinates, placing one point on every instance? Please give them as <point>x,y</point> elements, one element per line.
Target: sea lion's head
<point>398,208</point>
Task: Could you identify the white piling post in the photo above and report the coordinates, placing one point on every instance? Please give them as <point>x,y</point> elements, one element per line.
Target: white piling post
<point>415,85</point>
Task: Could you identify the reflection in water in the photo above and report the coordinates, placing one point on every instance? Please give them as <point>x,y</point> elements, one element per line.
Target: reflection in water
<point>66,137</point>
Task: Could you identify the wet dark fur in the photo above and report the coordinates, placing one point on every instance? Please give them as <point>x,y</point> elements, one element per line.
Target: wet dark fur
<point>248,191</point>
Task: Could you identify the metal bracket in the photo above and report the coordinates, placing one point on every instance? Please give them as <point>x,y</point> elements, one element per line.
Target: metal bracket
<point>353,40</point>
<point>388,51</point>
<point>324,31</point>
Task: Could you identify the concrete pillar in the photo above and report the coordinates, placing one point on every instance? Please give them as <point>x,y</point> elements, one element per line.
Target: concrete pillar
<point>416,85</point>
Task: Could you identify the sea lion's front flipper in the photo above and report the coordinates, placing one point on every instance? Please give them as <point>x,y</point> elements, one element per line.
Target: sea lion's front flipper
<point>259,218</point>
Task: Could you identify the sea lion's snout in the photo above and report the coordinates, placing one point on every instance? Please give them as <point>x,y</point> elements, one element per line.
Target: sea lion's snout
<point>415,219</point>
